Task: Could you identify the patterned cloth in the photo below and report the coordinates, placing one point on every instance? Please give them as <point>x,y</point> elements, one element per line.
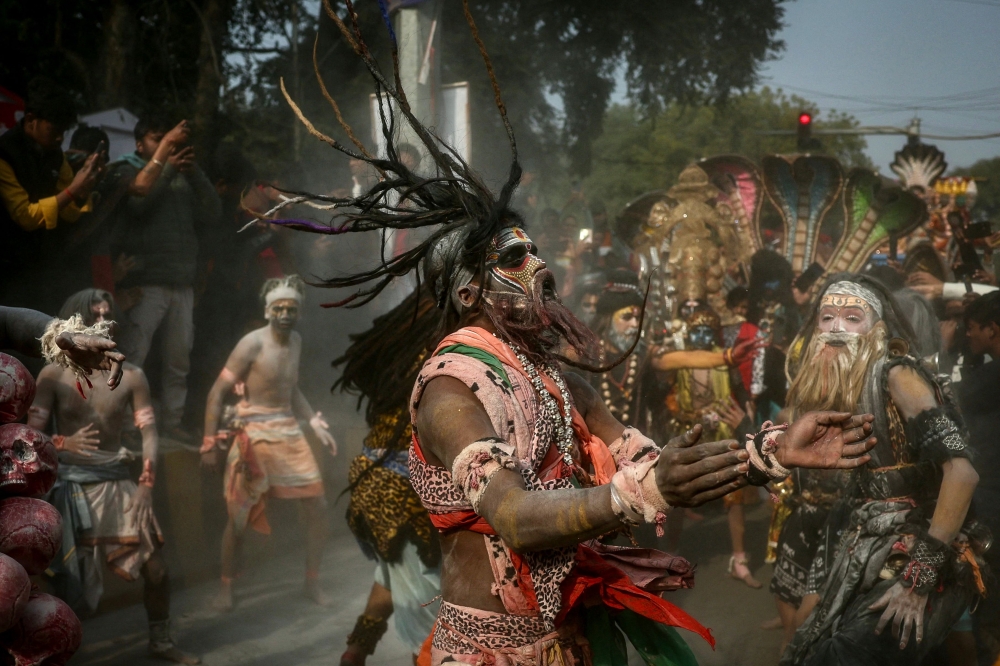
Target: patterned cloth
<point>539,587</point>
<point>898,489</point>
<point>473,636</point>
<point>384,513</point>
<point>269,456</point>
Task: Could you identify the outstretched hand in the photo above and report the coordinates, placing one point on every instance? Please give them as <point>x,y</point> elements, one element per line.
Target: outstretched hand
<point>826,440</point>
<point>744,350</point>
<point>905,609</point>
<point>322,430</point>
<point>690,474</point>
<point>93,353</point>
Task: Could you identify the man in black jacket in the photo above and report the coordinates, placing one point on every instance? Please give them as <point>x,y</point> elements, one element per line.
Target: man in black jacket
<point>171,200</point>
<point>977,394</point>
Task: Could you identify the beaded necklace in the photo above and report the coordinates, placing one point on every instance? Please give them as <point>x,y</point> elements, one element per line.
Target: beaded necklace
<point>549,407</point>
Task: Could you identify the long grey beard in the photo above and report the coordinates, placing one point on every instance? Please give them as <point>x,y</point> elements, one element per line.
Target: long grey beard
<point>836,382</point>
<point>622,341</point>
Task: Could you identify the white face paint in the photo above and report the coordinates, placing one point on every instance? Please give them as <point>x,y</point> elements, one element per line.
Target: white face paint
<point>841,313</point>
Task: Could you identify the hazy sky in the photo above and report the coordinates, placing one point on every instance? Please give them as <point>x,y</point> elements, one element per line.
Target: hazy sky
<point>939,59</point>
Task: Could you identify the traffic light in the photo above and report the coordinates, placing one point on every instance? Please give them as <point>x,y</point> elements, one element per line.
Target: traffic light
<point>805,139</point>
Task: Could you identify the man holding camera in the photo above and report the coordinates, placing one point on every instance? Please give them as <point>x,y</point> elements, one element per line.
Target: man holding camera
<point>39,191</point>
<point>169,201</point>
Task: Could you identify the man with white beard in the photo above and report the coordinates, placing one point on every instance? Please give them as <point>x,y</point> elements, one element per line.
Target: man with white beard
<point>905,559</point>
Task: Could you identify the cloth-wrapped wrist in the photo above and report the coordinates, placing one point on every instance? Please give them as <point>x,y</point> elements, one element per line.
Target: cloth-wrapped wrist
<point>927,558</point>
<point>632,447</point>
<point>208,443</point>
<point>148,476</point>
<point>763,464</point>
<point>477,464</point>
<point>634,494</point>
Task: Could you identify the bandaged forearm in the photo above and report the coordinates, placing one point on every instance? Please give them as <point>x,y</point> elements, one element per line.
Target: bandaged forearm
<point>477,464</point>
<point>144,417</point>
<point>763,466</point>
<point>632,447</point>
<point>635,498</point>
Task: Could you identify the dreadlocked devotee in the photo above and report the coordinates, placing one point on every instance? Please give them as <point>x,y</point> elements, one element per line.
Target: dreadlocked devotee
<point>269,455</point>
<point>509,455</point>
<point>119,529</point>
<point>385,514</point>
<point>907,559</point>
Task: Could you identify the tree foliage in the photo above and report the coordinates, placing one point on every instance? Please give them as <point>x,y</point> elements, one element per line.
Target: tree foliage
<point>218,61</point>
<point>640,152</point>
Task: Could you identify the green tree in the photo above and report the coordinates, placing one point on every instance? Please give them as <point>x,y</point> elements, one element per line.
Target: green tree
<point>639,152</point>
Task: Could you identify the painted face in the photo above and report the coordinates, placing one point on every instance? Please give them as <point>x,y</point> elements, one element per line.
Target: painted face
<point>842,313</point>
<point>283,313</point>
<point>588,307</point>
<point>701,337</point>
<point>99,312</point>
<point>625,321</point>
<point>513,261</point>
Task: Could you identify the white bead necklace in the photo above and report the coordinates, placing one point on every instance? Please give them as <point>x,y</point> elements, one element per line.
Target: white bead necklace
<point>549,408</point>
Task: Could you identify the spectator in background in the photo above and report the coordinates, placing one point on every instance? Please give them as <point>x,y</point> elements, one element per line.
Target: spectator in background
<point>925,323</point>
<point>169,202</point>
<point>977,396</point>
<point>86,141</point>
<point>38,189</point>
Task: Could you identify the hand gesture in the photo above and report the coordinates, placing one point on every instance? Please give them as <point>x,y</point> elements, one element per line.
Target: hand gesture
<point>322,430</point>
<point>210,460</point>
<point>177,136</point>
<point>93,353</point>
<point>141,505</point>
<point>925,284</point>
<point>826,440</point>
<point>182,159</point>
<point>690,474</point>
<point>86,178</point>
<point>732,414</point>
<point>906,610</point>
<point>83,441</point>
<point>744,351</point>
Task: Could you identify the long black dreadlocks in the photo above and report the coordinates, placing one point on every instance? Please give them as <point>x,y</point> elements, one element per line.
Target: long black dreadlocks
<point>382,363</point>
<point>454,198</point>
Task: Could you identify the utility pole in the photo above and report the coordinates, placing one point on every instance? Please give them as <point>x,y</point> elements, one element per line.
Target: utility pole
<point>296,88</point>
<point>418,32</point>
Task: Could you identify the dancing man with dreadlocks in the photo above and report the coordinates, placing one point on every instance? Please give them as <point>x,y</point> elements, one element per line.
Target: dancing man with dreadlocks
<point>385,515</point>
<point>908,556</point>
<point>521,467</point>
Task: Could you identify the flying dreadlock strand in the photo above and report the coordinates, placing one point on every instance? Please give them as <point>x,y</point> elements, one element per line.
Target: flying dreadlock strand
<point>456,198</point>
<point>333,103</point>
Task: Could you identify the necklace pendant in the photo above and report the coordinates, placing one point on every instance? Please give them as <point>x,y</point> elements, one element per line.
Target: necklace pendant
<point>567,458</point>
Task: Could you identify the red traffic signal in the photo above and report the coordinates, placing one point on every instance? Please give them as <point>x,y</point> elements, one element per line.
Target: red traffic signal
<point>804,140</point>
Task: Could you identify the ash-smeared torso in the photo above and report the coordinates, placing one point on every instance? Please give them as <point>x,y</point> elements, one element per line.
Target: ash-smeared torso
<point>273,368</point>
<point>107,410</point>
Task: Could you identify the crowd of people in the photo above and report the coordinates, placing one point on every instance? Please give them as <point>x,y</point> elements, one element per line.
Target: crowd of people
<point>522,395</point>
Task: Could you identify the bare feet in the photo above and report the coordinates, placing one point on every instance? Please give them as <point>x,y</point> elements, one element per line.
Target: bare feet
<point>314,592</point>
<point>739,570</point>
<point>773,623</point>
<point>170,652</point>
<point>224,601</point>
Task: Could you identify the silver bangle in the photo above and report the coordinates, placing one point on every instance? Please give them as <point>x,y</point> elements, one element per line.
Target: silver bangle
<point>625,513</point>
<point>157,162</point>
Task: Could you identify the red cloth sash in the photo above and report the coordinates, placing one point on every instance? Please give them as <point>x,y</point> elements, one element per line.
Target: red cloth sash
<point>591,573</point>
